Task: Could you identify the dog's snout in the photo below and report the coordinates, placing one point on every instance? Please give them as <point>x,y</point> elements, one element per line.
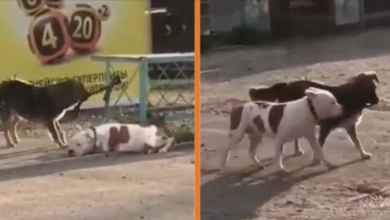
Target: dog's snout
<point>376,100</point>
<point>341,108</point>
<point>372,102</point>
<point>71,152</point>
<point>338,110</point>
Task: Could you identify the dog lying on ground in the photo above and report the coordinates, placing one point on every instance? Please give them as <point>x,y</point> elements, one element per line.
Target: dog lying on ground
<point>282,121</point>
<point>43,104</point>
<point>117,137</point>
<point>358,93</point>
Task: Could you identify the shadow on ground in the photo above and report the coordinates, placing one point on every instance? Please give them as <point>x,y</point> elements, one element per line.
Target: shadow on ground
<point>27,152</point>
<point>55,161</point>
<point>239,197</point>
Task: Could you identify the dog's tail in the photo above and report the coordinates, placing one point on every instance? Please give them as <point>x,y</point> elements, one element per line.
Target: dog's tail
<point>236,114</point>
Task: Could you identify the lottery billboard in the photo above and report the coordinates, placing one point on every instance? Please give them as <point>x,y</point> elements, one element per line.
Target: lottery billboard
<point>47,41</point>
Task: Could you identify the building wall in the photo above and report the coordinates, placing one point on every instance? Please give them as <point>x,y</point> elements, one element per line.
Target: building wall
<point>224,15</point>
<point>173,31</point>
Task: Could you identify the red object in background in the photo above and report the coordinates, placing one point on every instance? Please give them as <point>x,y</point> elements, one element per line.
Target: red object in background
<point>85,28</point>
<point>31,7</point>
<point>48,35</point>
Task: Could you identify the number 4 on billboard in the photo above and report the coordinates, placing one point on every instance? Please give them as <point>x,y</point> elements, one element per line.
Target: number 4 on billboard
<point>48,37</point>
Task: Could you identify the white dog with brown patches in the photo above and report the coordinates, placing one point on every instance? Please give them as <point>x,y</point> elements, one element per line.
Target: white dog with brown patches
<point>113,137</point>
<point>283,122</point>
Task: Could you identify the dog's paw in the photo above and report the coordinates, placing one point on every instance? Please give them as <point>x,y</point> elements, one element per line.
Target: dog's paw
<point>107,155</point>
<point>10,146</point>
<point>315,162</point>
<point>163,151</point>
<point>298,153</point>
<point>62,146</point>
<point>258,167</point>
<point>152,151</point>
<point>332,167</point>
<point>366,156</point>
<point>282,169</point>
<point>256,161</point>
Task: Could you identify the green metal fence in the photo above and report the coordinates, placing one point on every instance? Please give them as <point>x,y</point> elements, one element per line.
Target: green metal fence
<point>166,86</point>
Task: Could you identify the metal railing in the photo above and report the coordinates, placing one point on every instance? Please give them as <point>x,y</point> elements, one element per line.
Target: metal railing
<point>166,83</point>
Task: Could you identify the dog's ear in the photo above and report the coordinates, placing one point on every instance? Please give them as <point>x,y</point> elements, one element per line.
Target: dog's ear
<point>311,92</point>
<point>88,135</point>
<point>78,127</point>
<point>258,87</point>
<point>281,85</point>
<point>372,75</point>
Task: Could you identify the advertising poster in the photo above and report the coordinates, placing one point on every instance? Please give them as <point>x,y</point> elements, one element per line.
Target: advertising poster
<point>46,41</point>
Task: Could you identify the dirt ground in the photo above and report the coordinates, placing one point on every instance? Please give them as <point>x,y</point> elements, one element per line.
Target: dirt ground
<point>39,182</point>
<point>355,190</point>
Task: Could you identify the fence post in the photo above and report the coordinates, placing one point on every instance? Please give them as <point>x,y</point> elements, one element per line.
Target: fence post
<point>107,98</point>
<point>143,89</point>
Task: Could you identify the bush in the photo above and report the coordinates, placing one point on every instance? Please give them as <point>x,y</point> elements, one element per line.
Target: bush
<point>183,131</point>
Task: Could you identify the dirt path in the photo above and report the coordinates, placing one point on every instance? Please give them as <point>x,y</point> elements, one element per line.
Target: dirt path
<point>308,192</point>
<point>38,182</point>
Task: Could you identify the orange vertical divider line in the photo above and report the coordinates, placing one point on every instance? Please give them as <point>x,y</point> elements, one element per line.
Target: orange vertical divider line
<point>197,109</point>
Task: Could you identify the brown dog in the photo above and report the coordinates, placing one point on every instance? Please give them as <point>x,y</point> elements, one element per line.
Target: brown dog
<point>358,93</point>
<point>43,104</point>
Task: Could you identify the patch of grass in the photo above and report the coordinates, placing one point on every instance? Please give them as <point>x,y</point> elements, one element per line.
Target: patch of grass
<point>183,131</point>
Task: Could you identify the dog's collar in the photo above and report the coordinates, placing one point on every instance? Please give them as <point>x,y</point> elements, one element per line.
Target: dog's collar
<point>312,109</point>
<point>94,147</point>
